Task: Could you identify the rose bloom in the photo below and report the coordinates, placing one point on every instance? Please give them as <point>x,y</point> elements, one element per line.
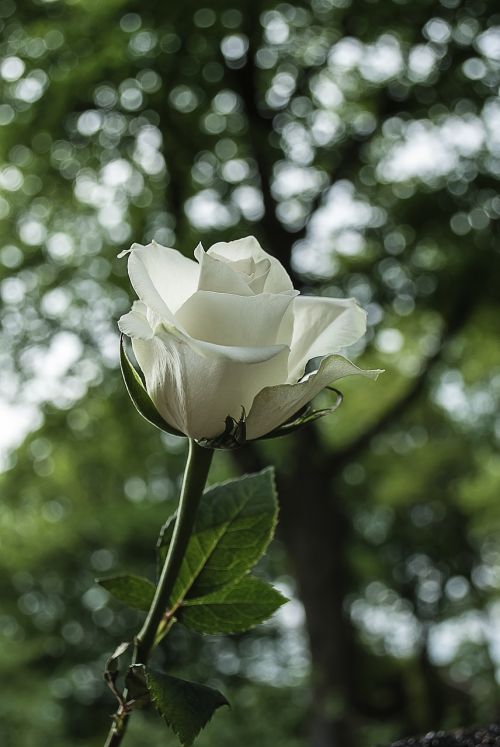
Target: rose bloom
<point>229,336</point>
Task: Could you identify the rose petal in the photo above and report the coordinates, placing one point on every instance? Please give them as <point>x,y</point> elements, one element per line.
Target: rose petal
<point>217,275</point>
<point>250,321</point>
<point>163,278</point>
<point>275,404</point>
<point>277,279</point>
<point>195,393</point>
<point>323,326</point>
<point>260,275</point>
<point>234,353</point>
<point>135,323</point>
<point>141,324</point>
<point>162,370</point>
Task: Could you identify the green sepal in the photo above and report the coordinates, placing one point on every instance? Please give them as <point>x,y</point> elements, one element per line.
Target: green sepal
<point>233,527</point>
<point>232,609</point>
<point>139,395</point>
<point>112,663</point>
<point>186,707</point>
<point>234,435</point>
<point>134,591</point>
<point>112,669</point>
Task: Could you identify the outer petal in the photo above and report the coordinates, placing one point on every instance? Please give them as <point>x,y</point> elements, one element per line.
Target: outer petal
<point>217,275</point>
<point>323,326</point>
<point>163,278</point>
<point>227,319</point>
<point>276,404</point>
<point>277,279</point>
<point>195,393</point>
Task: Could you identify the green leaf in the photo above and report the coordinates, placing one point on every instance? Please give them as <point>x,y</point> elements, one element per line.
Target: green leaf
<point>134,591</point>
<point>234,525</point>
<point>185,706</point>
<point>139,395</point>
<point>233,609</point>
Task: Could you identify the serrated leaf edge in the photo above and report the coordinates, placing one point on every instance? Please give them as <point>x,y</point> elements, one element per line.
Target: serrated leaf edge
<point>200,601</point>
<point>272,528</point>
<point>169,723</point>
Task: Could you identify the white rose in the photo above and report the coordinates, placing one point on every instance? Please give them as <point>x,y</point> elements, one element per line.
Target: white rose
<point>228,335</point>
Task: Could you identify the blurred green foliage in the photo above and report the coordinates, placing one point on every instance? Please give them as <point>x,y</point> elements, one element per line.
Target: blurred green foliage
<point>359,140</point>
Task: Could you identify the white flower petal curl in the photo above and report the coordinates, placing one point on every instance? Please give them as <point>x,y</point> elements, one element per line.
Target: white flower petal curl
<point>275,404</point>
<point>135,323</point>
<point>234,353</point>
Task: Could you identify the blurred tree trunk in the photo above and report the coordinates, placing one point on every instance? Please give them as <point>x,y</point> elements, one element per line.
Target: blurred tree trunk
<point>315,532</point>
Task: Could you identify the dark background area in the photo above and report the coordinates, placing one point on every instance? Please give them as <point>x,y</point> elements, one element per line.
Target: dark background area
<point>359,141</point>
